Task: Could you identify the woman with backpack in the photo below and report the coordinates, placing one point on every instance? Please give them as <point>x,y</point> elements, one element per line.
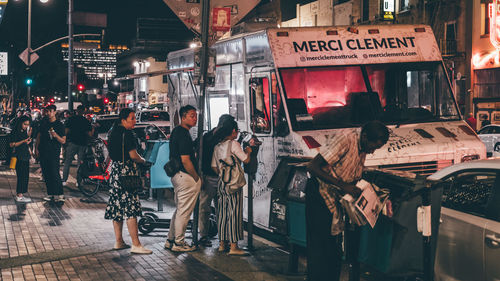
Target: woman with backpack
<point>226,162</point>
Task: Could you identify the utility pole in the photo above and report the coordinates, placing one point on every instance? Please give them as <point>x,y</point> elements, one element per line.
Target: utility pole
<point>28,91</point>
<point>70,55</point>
<point>205,16</point>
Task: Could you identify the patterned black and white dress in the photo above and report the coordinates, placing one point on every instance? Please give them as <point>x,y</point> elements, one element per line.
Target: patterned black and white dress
<point>122,204</point>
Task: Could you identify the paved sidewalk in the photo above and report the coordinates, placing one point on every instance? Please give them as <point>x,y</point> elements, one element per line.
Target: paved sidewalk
<point>45,241</point>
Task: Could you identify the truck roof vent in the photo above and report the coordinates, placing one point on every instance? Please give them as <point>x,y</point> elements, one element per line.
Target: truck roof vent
<point>423,133</point>
<point>467,130</point>
<point>332,32</point>
<point>445,132</point>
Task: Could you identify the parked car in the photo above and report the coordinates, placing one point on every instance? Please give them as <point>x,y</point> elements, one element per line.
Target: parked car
<point>468,246</point>
<point>103,124</point>
<point>159,118</point>
<point>490,135</point>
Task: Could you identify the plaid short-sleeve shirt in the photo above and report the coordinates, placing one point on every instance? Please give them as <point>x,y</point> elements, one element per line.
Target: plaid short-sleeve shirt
<point>346,162</point>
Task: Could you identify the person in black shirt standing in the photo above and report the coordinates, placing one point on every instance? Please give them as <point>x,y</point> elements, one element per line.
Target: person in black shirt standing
<point>48,149</point>
<point>122,204</point>
<point>186,182</point>
<point>78,132</point>
<point>19,141</point>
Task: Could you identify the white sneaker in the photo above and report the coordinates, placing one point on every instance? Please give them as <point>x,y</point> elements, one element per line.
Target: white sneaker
<point>183,247</point>
<point>23,199</point>
<point>48,198</point>
<point>64,183</point>
<point>60,198</point>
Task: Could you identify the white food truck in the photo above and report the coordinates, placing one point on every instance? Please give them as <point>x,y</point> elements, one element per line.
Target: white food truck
<point>295,88</point>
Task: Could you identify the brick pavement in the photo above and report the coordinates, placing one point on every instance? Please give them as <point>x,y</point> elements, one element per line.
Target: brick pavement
<point>42,241</point>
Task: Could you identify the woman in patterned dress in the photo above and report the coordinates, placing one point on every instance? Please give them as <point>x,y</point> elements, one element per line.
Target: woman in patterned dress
<point>230,204</point>
<point>123,205</point>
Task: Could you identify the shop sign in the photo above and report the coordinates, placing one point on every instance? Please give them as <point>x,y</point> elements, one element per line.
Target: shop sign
<point>389,9</point>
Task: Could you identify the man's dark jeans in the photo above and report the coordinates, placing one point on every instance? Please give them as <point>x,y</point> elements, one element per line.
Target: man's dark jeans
<point>324,253</point>
<point>50,171</point>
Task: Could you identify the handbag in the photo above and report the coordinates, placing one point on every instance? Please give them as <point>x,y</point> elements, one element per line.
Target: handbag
<point>232,175</point>
<point>172,167</point>
<point>13,160</point>
<point>129,180</point>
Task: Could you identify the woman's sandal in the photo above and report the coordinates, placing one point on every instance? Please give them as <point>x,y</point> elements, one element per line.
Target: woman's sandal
<point>238,252</point>
<point>121,246</point>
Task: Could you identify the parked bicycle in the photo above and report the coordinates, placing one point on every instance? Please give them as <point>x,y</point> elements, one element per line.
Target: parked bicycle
<point>93,173</point>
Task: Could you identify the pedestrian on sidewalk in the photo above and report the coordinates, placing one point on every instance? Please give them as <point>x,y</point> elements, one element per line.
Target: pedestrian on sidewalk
<point>230,213</point>
<point>124,205</point>
<point>48,149</point>
<point>186,182</point>
<point>336,169</point>
<point>78,132</point>
<point>19,142</point>
<point>208,191</point>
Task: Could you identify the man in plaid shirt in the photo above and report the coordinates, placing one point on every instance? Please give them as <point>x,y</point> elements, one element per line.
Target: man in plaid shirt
<point>337,168</point>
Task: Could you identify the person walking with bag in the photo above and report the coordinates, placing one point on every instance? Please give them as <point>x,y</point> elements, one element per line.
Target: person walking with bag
<point>19,142</point>
<point>226,163</point>
<point>124,201</point>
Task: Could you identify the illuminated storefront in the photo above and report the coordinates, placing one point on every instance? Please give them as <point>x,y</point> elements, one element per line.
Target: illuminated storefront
<point>486,63</point>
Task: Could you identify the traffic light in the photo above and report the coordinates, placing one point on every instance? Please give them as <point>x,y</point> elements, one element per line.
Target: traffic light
<point>28,81</point>
<point>52,100</point>
<point>80,87</point>
<point>106,100</point>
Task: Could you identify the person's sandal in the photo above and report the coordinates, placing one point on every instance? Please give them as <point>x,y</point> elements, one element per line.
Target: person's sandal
<point>121,246</point>
<point>140,250</point>
<point>238,252</point>
<point>223,247</point>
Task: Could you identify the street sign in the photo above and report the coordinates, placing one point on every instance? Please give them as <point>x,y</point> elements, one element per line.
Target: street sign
<point>189,11</point>
<point>4,63</point>
<point>24,57</point>
<point>221,19</point>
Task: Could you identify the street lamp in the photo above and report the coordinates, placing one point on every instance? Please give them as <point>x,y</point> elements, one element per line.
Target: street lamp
<point>28,61</point>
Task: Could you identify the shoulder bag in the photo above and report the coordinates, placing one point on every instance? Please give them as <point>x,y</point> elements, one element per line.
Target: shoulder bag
<point>231,172</point>
<point>129,180</point>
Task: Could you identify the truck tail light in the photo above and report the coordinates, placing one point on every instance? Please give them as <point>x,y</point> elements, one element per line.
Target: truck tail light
<point>282,34</point>
<point>332,32</point>
<point>420,29</point>
<point>311,142</point>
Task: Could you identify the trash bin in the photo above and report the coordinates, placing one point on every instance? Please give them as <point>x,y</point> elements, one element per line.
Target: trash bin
<point>394,246</point>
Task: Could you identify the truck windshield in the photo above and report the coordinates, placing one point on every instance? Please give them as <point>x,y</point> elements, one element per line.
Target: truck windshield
<point>348,96</point>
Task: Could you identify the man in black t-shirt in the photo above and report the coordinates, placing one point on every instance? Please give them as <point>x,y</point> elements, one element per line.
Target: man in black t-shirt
<point>48,149</point>
<point>186,182</point>
<point>78,132</point>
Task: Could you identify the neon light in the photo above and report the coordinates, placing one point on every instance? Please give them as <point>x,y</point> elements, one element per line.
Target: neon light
<point>494,13</point>
<point>490,58</point>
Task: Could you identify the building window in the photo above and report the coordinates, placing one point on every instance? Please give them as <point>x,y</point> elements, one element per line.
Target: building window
<point>340,1</point>
<point>165,79</point>
<point>366,10</point>
<point>404,5</point>
<point>485,19</point>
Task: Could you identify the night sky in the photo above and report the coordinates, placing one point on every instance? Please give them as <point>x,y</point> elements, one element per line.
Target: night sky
<point>49,23</point>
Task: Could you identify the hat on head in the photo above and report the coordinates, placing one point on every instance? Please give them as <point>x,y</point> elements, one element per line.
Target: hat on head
<point>223,119</point>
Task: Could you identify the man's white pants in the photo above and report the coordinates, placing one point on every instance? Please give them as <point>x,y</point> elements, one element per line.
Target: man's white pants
<point>186,194</point>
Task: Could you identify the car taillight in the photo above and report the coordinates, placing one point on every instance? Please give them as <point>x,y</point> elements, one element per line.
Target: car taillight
<point>311,142</point>
<point>471,157</point>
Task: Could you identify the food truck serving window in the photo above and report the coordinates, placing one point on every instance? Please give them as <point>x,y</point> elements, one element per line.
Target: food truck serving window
<point>348,96</point>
